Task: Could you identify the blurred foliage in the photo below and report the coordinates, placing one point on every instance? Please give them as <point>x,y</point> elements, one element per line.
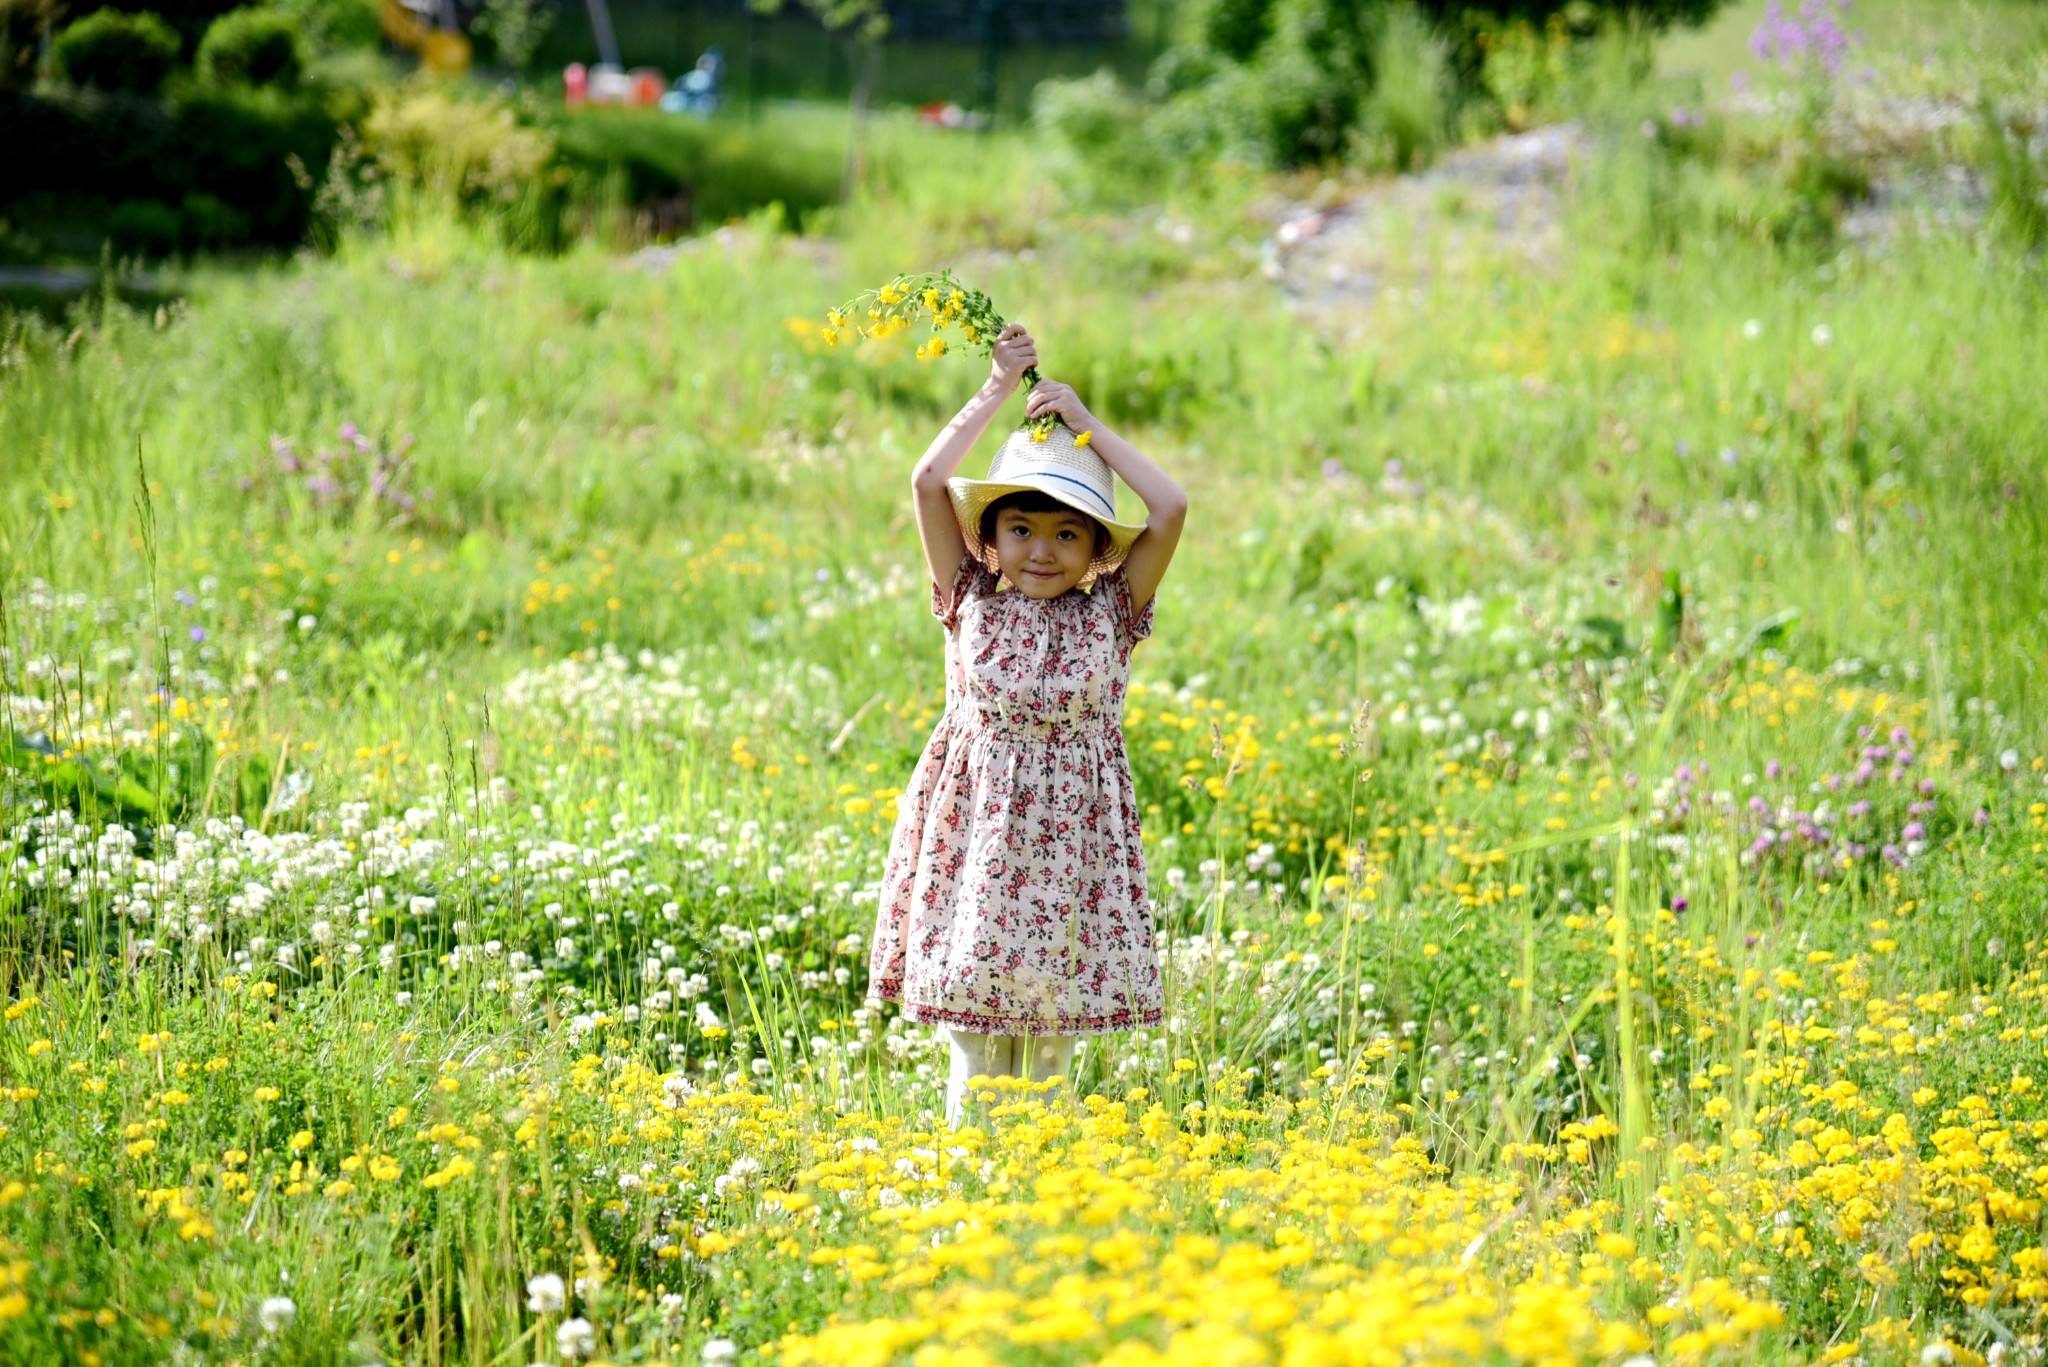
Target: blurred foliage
<point>334,26</point>
<point>212,149</point>
<point>465,149</point>
<point>109,50</point>
<point>189,19</point>
<point>1380,83</point>
<point>514,29</point>
<point>256,46</point>
<point>2018,175</point>
<point>22,26</point>
<point>714,171</point>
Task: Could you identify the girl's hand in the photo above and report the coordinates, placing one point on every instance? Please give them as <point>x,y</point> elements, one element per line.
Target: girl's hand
<point>1050,396</point>
<point>1013,354</point>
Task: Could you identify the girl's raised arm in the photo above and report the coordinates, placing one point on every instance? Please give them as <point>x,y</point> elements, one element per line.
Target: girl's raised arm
<point>937,526</point>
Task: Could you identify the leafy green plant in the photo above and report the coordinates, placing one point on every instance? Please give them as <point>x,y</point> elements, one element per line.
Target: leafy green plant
<point>255,47</point>
<point>2018,176</point>
<point>113,50</point>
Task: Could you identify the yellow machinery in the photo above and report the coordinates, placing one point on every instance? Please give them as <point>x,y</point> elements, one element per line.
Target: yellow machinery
<point>428,28</point>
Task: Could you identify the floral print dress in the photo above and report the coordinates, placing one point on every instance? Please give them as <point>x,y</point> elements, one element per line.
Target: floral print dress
<point>1014,897</point>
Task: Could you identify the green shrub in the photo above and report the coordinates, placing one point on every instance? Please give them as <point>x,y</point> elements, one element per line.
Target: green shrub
<point>256,47</point>
<point>1285,82</point>
<point>109,50</point>
<point>723,169</point>
<point>326,26</point>
<point>233,144</point>
<point>1096,132</point>
<point>1407,110</point>
<point>211,223</point>
<point>2018,178</point>
<point>147,227</point>
<point>468,149</point>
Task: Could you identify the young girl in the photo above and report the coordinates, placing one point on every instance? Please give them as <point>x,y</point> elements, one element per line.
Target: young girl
<point>1013,907</point>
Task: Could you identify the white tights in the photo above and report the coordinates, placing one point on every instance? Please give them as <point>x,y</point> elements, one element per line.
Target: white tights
<point>1035,1057</point>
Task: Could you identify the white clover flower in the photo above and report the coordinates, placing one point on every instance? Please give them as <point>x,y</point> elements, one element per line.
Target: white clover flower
<point>576,1338</point>
<point>275,1313</point>
<point>1822,334</point>
<point>717,1352</point>
<point>545,1293</point>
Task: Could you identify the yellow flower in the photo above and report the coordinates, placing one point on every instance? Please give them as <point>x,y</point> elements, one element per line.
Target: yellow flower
<point>302,1140</point>
<point>1082,440</point>
<point>268,1094</point>
<point>1038,435</point>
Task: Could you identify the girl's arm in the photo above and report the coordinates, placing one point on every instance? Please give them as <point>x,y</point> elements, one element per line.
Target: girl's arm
<point>937,525</point>
<point>1166,503</point>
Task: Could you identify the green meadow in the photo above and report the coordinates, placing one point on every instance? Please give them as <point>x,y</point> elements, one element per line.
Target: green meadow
<point>1592,752</point>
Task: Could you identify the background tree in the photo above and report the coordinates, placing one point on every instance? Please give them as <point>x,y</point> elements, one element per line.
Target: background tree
<point>867,21</point>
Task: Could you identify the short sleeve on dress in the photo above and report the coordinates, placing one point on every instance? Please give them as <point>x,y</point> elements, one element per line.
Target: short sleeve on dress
<point>1131,626</point>
<point>947,599</point>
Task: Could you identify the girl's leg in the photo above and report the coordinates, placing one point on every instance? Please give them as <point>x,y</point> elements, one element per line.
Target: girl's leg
<point>972,1054</point>
<point>1042,1056</point>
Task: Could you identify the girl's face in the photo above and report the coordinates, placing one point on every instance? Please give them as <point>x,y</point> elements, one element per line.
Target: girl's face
<point>1044,554</point>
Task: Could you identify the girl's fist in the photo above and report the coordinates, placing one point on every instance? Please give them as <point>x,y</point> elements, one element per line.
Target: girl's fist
<point>1050,396</point>
<point>1013,354</point>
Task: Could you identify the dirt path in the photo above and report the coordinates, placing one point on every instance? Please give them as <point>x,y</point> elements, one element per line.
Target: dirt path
<point>1499,196</point>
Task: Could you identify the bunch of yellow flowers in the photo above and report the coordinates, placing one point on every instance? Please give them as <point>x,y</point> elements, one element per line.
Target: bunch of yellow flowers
<point>884,312</point>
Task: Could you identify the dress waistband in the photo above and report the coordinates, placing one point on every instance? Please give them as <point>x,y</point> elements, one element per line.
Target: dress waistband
<point>1035,732</point>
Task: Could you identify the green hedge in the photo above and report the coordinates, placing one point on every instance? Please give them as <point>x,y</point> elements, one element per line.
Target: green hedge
<point>724,168</point>
<point>113,51</point>
<point>215,165</point>
<point>189,19</point>
<point>258,47</point>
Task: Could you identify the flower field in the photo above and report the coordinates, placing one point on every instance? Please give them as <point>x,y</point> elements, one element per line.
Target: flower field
<point>1594,767</point>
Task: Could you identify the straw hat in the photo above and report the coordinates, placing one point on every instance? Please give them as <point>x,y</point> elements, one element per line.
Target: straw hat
<point>1073,474</point>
